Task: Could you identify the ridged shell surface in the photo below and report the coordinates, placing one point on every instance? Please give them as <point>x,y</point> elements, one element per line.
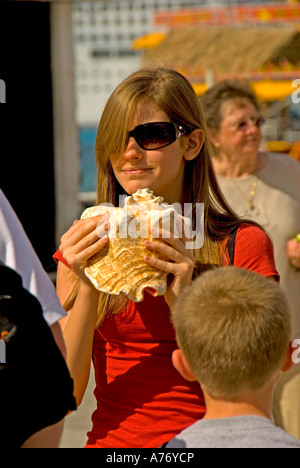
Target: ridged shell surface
<point>120,266</point>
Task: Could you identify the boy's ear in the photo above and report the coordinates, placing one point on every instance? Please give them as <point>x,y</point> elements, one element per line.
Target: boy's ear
<point>181,365</point>
<point>288,361</point>
<point>194,141</point>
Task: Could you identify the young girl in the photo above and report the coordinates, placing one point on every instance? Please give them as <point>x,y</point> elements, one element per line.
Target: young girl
<point>151,135</point>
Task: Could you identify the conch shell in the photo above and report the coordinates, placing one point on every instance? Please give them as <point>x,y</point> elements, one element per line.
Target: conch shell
<point>120,266</point>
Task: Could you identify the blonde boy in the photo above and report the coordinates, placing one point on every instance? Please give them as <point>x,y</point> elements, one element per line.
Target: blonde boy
<point>234,330</point>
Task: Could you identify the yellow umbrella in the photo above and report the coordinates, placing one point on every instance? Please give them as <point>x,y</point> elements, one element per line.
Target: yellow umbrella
<point>200,88</point>
<point>149,41</point>
<point>268,91</point>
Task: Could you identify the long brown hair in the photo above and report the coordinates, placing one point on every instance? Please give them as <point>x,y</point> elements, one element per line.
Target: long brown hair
<point>171,93</point>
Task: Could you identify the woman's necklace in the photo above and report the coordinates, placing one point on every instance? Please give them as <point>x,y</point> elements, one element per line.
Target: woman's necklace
<point>249,199</point>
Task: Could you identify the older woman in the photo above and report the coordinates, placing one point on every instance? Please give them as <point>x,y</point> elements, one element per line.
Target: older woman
<point>264,187</point>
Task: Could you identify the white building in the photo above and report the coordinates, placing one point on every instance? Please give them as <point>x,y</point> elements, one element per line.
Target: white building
<point>103,34</point>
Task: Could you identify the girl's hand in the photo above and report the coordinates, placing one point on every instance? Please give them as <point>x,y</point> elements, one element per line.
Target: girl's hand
<point>293,252</point>
<point>180,263</point>
<point>83,240</point>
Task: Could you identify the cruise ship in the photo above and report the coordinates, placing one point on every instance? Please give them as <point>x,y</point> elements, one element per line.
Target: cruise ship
<point>103,35</point>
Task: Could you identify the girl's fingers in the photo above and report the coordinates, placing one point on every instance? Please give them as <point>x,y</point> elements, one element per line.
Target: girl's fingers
<point>91,238</point>
<point>92,249</point>
<point>167,267</point>
<point>165,250</point>
<point>173,241</point>
<point>77,260</point>
<point>177,263</point>
<point>84,239</point>
<point>81,228</point>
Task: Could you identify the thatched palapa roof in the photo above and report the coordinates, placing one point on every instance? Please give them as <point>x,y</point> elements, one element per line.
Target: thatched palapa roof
<point>228,50</point>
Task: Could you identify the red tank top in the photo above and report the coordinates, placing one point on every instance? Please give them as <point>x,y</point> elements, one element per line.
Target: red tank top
<point>142,401</point>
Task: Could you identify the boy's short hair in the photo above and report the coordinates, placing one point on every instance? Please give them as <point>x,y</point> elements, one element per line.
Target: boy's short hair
<point>234,328</point>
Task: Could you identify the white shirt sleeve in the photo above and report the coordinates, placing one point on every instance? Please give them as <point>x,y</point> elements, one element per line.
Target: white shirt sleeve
<point>17,253</point>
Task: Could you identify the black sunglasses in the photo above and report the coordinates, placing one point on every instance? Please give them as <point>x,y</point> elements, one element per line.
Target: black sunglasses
<point>156,135</point>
